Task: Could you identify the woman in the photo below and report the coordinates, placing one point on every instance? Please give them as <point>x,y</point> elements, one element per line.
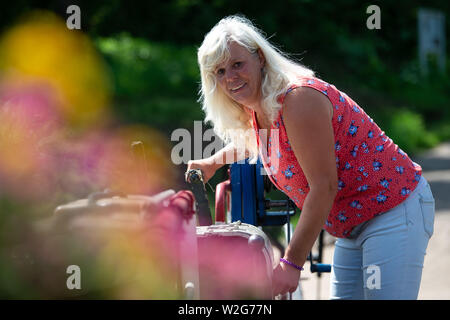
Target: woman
<point>328,156</point>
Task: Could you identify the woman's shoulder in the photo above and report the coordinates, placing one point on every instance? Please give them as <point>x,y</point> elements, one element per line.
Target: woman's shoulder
<point>305,82</point>
<point>302,98</point>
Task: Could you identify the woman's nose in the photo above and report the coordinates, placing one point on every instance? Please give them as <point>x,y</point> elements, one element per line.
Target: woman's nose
<point>230,75</point>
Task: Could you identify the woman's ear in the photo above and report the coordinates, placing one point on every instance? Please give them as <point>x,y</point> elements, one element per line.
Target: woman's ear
<point>262,59</point>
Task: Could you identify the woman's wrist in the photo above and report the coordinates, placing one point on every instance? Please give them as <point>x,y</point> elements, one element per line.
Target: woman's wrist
<point>292,264</point>
<point>295,255</point>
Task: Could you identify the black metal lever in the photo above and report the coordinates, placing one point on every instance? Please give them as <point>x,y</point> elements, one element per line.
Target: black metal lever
<point>194,178</point>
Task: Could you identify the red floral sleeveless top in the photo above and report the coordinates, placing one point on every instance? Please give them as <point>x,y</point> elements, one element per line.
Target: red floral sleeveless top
<point>374,174</point>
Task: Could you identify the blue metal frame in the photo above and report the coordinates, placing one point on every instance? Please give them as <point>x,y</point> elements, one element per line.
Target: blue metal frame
<point>248,203</point>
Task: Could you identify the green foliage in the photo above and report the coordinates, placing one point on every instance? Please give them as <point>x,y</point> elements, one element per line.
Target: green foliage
<point>141,68</point>
<point>166,113</point>
<point>154,82</point>
<point>408,130</point>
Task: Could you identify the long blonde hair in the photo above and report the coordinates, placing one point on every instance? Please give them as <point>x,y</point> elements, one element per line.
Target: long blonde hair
<point>279,72</point>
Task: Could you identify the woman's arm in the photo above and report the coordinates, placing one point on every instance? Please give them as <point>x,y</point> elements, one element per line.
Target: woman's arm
<point>307,117</point>
<point>227,155</point>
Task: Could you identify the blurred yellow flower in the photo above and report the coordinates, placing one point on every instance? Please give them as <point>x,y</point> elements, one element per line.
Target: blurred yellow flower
<point>42,47</point>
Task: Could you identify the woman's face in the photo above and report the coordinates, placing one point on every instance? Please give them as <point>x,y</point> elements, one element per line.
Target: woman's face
<point>240,75</point>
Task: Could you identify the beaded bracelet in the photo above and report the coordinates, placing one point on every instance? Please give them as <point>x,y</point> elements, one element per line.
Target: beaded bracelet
<point>291,264</point>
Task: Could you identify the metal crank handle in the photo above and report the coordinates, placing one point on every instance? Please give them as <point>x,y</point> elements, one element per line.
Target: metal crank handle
<point>194,177</point>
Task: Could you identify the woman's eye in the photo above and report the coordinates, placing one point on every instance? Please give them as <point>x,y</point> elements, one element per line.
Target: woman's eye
<point>220,72</point>
<point>237,64</point>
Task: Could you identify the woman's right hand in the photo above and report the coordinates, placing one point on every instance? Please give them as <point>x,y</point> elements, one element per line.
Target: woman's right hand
<point>207,166</point>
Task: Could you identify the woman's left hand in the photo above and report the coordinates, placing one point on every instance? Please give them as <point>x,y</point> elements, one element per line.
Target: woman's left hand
<point>285,279</point>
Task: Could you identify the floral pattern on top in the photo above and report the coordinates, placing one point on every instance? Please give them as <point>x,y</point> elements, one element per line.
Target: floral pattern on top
<point>374,174</point>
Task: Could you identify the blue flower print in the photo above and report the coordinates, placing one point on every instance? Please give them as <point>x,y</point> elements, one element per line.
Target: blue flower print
<point>355,108</point>
<point>400,169</point>
<point>379,148</point>
<point>362,188</point>
<point>354,151</point>
<point>325,92</point>
<point>370,134</point>
<point>356,204</point>
<point>361,169</point>
<point>381,198</point>
<point>300,190</point>
<point>365,147</point>
<point>288,188</point>
<point>417,176</point>
<point>405,191</point>
<point>348,166</point>
<point>310,82</point>
<point>288,172</point>
<point>376,165</point>
<point>341,185</point>
<point>341,216</point>
<point>336,107</point>
<point>352,130</point>
<point>328,224</point>
<point>339,118</point>
<point>337,146</point>
<point>385,182</point>
<point>341,98</point>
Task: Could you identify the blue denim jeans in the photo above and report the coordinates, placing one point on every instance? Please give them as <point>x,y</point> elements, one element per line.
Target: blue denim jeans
<point>383,257</point>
